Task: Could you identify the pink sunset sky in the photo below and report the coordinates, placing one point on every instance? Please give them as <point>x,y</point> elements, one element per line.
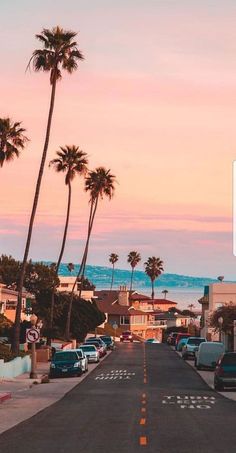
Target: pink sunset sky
<point>154,101</point>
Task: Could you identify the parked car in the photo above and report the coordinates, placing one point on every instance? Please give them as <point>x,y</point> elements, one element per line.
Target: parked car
<point>171,338</point>
<point>208,354</point>
<point>91,352</point>
<point>83,359</point>
<point>101,349</point>
<point>65,363</point>
<point>192,343</point>
<point>99,339</point>
<point>108,341</point>
<point>181,343</point>
<point>225,372</point>
<point>179,337</point>
<point>152,340</point>
<point>127,336</point>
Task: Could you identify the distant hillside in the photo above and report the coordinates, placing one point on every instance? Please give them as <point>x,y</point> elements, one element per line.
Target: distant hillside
<point>101,277</point>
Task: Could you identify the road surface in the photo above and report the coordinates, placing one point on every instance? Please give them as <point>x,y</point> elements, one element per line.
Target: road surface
<point>142,398</point>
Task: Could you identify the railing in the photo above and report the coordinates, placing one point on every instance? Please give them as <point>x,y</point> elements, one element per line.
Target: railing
<point>157,324</point>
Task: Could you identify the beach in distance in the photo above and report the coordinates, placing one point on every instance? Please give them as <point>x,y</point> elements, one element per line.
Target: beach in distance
<point>182,289</point>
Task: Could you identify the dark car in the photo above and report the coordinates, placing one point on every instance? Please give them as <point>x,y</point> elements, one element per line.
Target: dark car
<point>65,363</point>
<point>127,336</point>
<point>225,371</point>
<point>108,341</point>
<point>171,338</point>
<point>180,336</point>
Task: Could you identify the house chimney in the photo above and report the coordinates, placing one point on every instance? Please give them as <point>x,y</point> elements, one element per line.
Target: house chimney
<point>123,296</point>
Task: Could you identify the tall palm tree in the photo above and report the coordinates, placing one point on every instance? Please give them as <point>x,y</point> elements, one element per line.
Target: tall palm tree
<point>12,140</point>
<point>99,183</point>
<point>60,52</point>
<point>165,292</point>
<point>72,161</point>
<point>133,259</point>
<point>153,268</point>
<point>113,258</point>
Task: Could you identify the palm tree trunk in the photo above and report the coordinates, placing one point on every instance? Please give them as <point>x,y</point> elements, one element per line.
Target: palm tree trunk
<point>81,272</point>
<point>153,291</point>
<point>112,276</point>
<point>62,251</point>
<point>131,281</point>
<point>16,337</point>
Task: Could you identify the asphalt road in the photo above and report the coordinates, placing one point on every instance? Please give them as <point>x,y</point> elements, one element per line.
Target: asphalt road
<point>141,398</point>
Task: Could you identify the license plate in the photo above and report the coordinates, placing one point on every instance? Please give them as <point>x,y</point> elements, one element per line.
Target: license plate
<point>64,370</point>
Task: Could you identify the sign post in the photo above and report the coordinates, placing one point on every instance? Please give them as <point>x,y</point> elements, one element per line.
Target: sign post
<point>33,336</point>
<point>115,327</point>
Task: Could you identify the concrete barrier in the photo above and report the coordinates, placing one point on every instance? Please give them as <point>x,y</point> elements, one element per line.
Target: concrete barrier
<point>15,367</point>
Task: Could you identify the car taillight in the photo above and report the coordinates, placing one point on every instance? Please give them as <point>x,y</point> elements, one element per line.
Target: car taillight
<point>130,336</point>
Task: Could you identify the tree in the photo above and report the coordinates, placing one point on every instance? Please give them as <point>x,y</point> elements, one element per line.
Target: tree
<point>59,53</point>
<point>72,161</point>
<point>9,270</point>
<point>165,292</point>
<point>113,258</point>
<point>133,259</point>
<point>99,183</point>
<point>12,140</point>
<point>153,268</point>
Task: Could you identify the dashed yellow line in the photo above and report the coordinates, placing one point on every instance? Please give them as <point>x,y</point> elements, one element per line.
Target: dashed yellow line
<point>143,440</point>
<point>143,409</point>
<point>142,421</point>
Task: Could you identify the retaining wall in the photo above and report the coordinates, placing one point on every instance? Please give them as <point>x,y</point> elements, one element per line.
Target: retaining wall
<point>15,367</point>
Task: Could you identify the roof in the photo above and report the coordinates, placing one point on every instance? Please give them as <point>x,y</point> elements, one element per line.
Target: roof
<point>115,309</point>
<point>162,302</point>
<point>137,296</point>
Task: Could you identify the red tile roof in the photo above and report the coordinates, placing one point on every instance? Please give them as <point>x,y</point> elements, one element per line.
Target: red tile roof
<point>115,309</point>
<point>161,301</point>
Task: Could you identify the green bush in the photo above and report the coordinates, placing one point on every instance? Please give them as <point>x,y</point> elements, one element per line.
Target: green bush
<point>7,355</point>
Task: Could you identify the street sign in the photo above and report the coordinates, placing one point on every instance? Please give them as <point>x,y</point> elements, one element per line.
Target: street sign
<point>32,335</point>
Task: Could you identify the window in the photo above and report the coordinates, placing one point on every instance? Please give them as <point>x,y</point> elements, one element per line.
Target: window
<point>64,285</point>
<point>124,320</point>
<point>138,319</point>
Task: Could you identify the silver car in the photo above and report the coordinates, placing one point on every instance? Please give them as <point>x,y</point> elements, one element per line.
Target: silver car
<point>83,359</point>
<point>91,352</point>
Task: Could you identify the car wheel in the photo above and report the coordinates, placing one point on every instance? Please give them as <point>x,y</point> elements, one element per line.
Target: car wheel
<point>218,386</point>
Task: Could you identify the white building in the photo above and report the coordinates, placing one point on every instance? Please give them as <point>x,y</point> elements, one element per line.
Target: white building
<point>67,283</point>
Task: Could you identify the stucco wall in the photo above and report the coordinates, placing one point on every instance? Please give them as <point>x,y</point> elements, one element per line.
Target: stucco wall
<point>15,367</point>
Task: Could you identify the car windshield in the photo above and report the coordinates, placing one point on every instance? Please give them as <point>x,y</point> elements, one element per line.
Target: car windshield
<point>106,339</point>
<point>196,341</point>
<point>88,348</point>
<point>96,345</point>
<point>229,359</point>
<point>65,356</point>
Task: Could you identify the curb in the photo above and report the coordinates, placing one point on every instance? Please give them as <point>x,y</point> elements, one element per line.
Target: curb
<point>4,396</point>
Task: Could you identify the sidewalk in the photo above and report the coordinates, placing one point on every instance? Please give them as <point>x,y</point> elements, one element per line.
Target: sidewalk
<point>30,396</point>
<point>208,377</point>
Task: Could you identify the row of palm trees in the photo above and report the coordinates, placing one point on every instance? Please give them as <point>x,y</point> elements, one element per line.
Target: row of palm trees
<point>153,268</point>
<point>59,53</point>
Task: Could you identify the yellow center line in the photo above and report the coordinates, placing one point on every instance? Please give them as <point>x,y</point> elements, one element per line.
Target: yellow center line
<point>143,409</point>
<point>144,395</point>
<point>142,421</point>
<point>143,402</point>
<point>143,440</point>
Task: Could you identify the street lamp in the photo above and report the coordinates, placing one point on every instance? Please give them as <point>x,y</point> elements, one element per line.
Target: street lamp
<point>220,322</point>
<point>33,374</point>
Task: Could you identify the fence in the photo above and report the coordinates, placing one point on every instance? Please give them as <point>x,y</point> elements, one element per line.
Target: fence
<point>15,367</point>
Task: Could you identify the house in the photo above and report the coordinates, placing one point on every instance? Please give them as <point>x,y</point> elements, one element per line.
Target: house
<point>67,283</point>
<point>125,309</point>
<point>145,303</point>
<point>215,295</point>
<point>8,302</point>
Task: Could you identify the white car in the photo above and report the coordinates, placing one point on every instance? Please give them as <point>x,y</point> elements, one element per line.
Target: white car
<point>83,359</point>
<point>91,352</point>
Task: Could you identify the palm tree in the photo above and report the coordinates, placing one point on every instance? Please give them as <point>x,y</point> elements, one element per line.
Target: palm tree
<point>12,140</point>
<point>60,52</point>
<point>153,268</point>
<point>113,258</point>
<point>72,161</point>
<point>133,260</point>
<point>99,183</point>
<point>165,292</point>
